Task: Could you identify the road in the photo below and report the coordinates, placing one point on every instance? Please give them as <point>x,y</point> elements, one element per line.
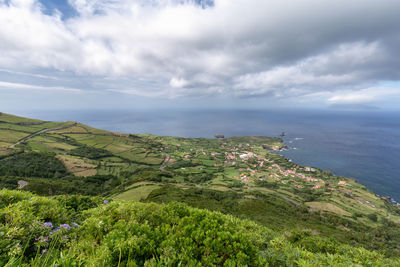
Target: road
<point>40,132</point>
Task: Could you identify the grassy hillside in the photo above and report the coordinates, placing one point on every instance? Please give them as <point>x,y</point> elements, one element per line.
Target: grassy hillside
<point>77,230</point>
<point>239,176</point>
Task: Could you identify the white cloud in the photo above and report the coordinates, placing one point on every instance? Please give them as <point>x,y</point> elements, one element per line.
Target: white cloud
<point>29,87</point>
<point>29,74</point>
<point>138,92</point>
<point>30,39</point>
<point>178,83</point>
<point>352,97</point>
<point>363,96</point>
<point>236,48</point>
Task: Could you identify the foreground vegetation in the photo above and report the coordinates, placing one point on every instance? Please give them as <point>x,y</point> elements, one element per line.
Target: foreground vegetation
<point>78,230</point>
<point>307,211</point>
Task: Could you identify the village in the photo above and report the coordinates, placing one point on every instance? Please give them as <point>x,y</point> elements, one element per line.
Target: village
<point>251,164</point>
<point>251,167</point>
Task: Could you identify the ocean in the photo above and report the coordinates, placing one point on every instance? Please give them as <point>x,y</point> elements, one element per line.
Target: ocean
<point>360,145</point>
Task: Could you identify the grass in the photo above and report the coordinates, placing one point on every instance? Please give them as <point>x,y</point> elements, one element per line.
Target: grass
<point>138,184</point>
<point>38,146</point>
<point>77,166</point>
<point>93,130</point>
<point>16,119</point>
<point>45,142</point>
<point>10,136</point>
<point>74,129</point>
<point>219,188</point>
<point>60,146</point>
<point>116,148</point>
<point>4,145</point>
<point>112,159</point>
<point>20,128</point>
<point>138,193</point>
<point>4,152</point>
<point>231,172</point>
<point>328,207</point>
<point>141,158</point>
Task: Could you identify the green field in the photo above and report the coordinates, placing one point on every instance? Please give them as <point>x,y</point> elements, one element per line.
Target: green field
<point>10,136</point>
<point>138,193</point>
<point>235,176</point>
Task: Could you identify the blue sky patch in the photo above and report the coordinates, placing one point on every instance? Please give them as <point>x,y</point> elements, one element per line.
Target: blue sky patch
<point>50,6</point>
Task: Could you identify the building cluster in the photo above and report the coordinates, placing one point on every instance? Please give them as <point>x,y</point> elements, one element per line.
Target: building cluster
<point>252,167</point>
<point>234,155</point>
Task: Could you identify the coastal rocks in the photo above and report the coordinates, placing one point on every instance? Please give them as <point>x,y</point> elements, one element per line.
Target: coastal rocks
<point>219,136</point>
<point>390,201</point>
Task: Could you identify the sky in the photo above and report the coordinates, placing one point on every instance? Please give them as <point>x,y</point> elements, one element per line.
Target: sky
<point>122,54</point>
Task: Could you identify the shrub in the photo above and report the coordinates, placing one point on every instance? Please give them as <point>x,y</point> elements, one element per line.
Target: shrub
<point>32,164</point>
<point>373,217</point>
<point>81,231</point>
<point>90,152</point>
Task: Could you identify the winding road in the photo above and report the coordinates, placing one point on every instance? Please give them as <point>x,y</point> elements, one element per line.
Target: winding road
<point>40,132</point>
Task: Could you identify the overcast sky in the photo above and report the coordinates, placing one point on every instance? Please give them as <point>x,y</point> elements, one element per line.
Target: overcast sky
<point>75,54</point>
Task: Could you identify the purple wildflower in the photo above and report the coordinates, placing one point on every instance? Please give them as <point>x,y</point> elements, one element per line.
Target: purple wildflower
<point>55,229</point>
<point>74,224</point>
<point>48,224</point>
<point>43,238</point>
<point>65,226</point>
<point>106,201</point>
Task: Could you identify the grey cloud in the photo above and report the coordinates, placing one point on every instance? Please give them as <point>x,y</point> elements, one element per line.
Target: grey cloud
<point>237,48</point>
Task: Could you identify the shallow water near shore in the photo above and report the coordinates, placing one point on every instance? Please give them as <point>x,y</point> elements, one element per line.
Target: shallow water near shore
<point>361,145</point>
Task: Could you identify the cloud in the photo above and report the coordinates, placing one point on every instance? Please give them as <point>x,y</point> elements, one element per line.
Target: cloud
<point>29,87</point>
<point>341,67</point>
<point>240,48</point>
<point>178,83</point>
<point>354,97</point>
<point>29,74</point>
<point>138,92</point>
<point>364,96</point>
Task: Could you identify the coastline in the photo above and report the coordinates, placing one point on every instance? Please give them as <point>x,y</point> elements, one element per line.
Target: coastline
<point>389,199</point>
<point>351,144</point>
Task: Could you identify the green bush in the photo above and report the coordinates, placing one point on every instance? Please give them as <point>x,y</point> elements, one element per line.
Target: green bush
<point>32,164</point>
<point>90,152</point>
<point>373,217</point>
<point>87,231</point>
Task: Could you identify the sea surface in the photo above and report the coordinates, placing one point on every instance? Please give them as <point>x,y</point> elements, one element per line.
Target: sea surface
<point>361,145</point>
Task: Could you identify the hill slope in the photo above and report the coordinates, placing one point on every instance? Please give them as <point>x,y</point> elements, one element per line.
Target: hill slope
<point>75,231</point>
<point>239,176</point>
